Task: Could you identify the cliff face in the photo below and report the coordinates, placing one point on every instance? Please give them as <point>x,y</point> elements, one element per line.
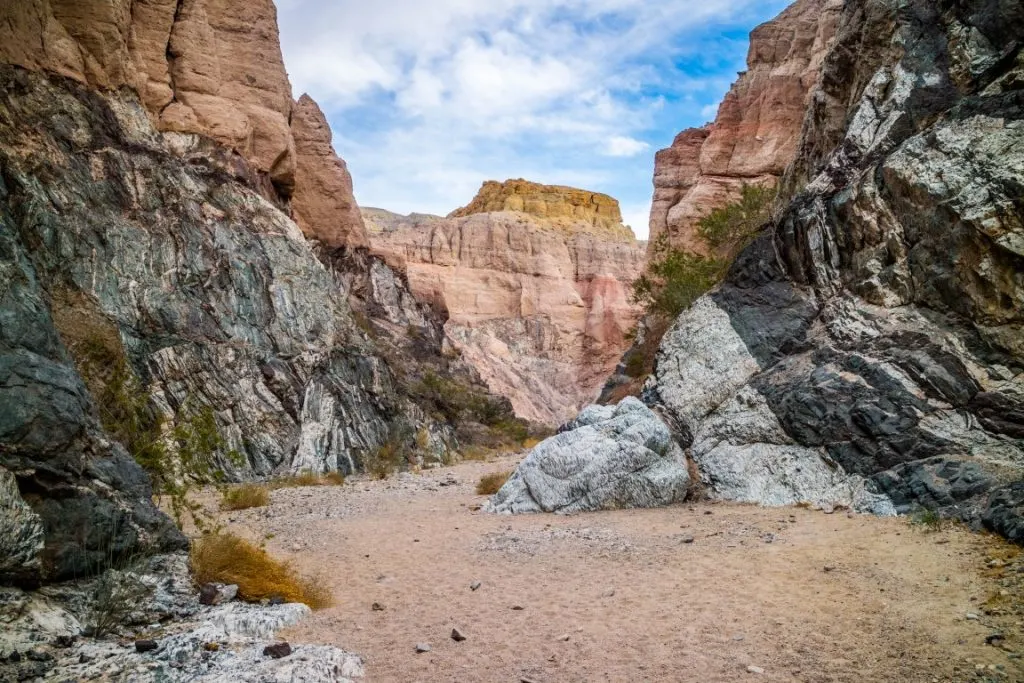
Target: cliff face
<point>756,133</point>
<point>159,244</point>
<point>876,329</point>
<point>539,306</point>
<point>211,68</point>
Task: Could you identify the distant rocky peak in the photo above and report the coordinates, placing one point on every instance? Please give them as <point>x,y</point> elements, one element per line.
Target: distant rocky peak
<point>567,208</point>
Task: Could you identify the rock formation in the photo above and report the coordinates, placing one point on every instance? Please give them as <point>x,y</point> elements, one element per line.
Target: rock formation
<point>210,68</point>
<point>756,133</point>
<point>866,349</point>
<point>156,246</point>
<point>537,302</point>
<point>609,457</point>
<point>567,207</point>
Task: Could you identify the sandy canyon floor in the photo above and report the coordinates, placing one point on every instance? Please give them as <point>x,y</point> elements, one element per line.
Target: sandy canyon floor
<point>703,592</point>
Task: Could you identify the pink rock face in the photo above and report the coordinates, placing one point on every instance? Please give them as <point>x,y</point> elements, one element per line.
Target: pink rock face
<point>201,67</point>
<point>323,204</point>
<point>757,130</point>
<point>540,309</point>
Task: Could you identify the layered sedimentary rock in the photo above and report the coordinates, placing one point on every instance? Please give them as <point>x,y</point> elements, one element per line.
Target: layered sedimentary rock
<point>538,305</point>
<point>210,68</point>
<point>567,207</point>
<point>756,133</point>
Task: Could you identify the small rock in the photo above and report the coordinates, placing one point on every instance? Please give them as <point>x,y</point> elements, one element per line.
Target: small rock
<point>145,645</point>
<point>422,647</point>
<point>518,608</point>
<point>971,616</point>
<point>475,585</point>
<point>84,658</point>
<point>457,635</point>
<point>738,638</point>
<point>564,637</point>
<point>277,650</point>
<point>377,607</point>
<point>276,600</point>
<point>994,638</point>
<point>708,512</point>
<point>38,655</point>
<point>211,647</point>
<point>65,641</point>
<point>754,670</point>
<point>610,593</point>
<point>687,539</point>
<point>829,568</point>
<point>217,593</point>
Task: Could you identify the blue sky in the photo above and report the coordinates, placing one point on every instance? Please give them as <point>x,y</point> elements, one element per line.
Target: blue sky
<point>429,99</point>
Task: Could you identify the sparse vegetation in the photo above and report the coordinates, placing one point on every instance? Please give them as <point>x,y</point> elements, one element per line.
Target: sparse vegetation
<point>226,558</point>
<point>389,457</point>
<point>490,484</point>
<point>245,496</point>
<point>675,278</point>
<point>177,457</point>
<point>927,520</point>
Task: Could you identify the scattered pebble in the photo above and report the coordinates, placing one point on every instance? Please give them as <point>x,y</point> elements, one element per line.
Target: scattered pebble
<point>829,568</point>
<point>564,637</point>
<point>687,539</point>
<point>422,647</point>
<point>474,586</point>
<point>377,607</point>
<point>457,635</point>
<point>754,670</point>
<point>971,616</point>
<point>517,608</point>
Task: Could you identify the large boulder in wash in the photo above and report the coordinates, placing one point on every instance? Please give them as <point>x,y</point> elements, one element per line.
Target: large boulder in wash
<point>609,457</point>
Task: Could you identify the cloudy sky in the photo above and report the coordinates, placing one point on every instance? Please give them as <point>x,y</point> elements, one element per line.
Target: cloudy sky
<point>429,99</point>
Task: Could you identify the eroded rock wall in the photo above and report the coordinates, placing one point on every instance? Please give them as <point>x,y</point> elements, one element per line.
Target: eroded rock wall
<point>539,306</point>
<point>875,328</point>
<point>756,133</point>
<point>210,68</point>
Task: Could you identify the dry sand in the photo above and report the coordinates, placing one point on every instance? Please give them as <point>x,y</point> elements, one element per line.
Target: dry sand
<point>623,596</point>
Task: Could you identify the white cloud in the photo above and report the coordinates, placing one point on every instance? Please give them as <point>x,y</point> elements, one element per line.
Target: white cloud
<point>622,146</point>
<point>427,100</point>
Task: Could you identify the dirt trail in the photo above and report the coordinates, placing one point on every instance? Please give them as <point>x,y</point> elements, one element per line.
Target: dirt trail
<point>627,596</point>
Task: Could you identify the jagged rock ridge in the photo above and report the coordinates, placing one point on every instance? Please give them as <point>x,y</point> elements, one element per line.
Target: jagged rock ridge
<point>538,305</point>
<point>756,133</point>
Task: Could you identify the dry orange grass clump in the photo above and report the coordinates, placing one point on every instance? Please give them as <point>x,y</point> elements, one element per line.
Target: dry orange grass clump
<point>245,496</point>
<point>490,484</point>
<point>226,558</point>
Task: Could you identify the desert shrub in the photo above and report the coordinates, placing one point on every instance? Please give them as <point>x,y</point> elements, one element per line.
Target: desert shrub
<point>307,478</point>
<point>390,456</point>
<point>245,496</point>
<point>225,558</point>
<point>729,229</point>
<point>635,366</point>
<point>927,520</point>
<point>490,484</point>
<point>115,594</point>
<point>675,278</point>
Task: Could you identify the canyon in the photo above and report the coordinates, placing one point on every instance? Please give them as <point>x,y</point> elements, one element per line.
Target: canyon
<point>178,234</point>
<point>533,283</point>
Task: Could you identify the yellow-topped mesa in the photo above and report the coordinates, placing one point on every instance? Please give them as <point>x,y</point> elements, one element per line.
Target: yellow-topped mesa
<point>567,208</point>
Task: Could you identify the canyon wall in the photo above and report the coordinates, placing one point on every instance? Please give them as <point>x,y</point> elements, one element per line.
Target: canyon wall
<point>210,68</point>
<point>874,332</point>
<point>756,133</point>
<point>534,284</point>
<point>151,159</point>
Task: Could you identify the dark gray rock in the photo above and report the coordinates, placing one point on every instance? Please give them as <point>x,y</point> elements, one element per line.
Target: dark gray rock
<point>1005,512</point>
<point>955,488</point>
<point>277,650</point>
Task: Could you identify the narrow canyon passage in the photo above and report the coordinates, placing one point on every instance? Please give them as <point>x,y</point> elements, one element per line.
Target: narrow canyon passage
<point>709,592</point>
